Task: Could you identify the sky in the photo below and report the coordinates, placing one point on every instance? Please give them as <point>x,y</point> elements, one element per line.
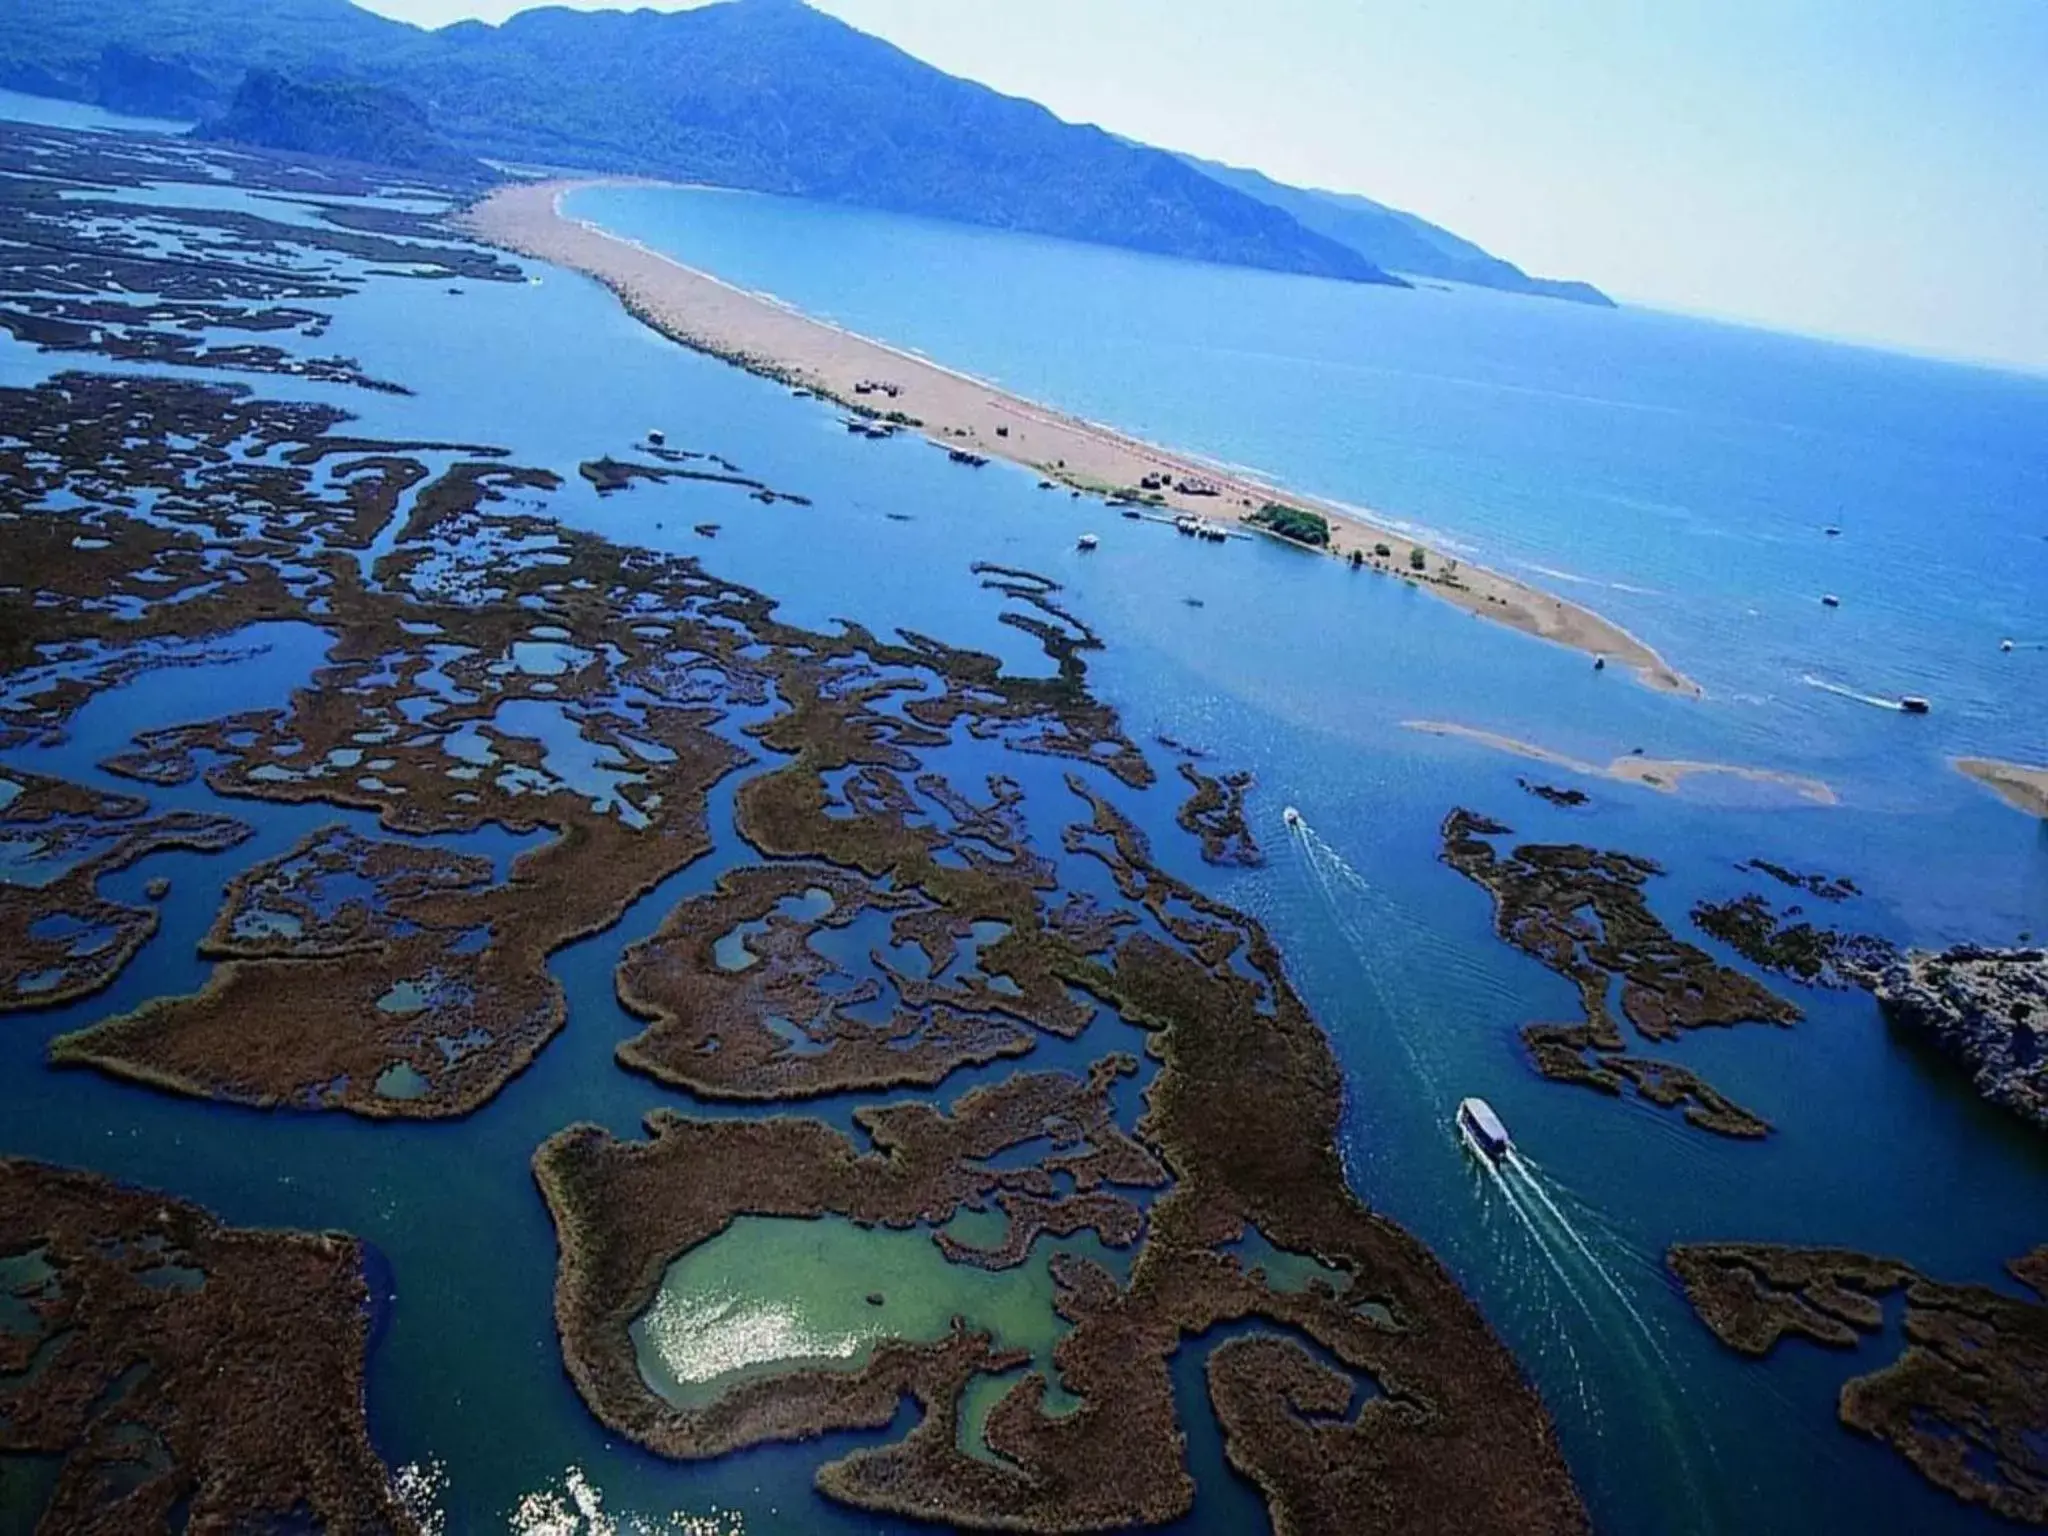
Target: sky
<point>1875,170</point>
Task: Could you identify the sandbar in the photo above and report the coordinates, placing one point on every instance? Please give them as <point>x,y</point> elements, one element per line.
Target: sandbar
<point>956,411</point>
<point>1662,774</point>
<point>2021,787</point>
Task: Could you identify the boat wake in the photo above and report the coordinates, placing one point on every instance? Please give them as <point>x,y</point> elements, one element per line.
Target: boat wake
<point>1588,1263</point>
<point>1875,701</point>
<point>1379,936</point>
<point>1549,1240</point>
<point>1566,1248</point>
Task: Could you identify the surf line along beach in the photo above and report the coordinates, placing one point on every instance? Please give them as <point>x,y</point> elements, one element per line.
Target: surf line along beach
<point>962,413</point>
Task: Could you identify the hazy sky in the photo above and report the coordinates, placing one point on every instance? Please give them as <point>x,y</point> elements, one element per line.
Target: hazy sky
<point>1874,169</point>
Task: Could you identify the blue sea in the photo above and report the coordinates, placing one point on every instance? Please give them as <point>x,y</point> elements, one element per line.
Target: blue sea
<point>1673,474</point>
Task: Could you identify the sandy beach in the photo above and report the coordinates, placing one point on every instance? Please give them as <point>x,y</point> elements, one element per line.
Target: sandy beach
<point>961,413</point>
<point>1663,774</point>
<point>2021,787</point>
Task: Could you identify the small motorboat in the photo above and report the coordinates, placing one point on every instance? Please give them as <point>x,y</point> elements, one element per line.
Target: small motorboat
<point>1913,704</point>
<point>1482,1130</point>
<point>656,436</point>
<point>1088,541</point>
<point>1291,816</point>
<point>1833,532</point>
<point>1831,601</point>
<point>1599,663</point>
<point>2006,646</point>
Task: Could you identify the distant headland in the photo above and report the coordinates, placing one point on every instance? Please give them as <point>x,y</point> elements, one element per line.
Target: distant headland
<point>339,122</point>
<point>763,95</point>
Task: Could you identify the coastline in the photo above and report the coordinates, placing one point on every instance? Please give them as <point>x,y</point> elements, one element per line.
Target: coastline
<point>956,411</point>
<point>2022,787</point>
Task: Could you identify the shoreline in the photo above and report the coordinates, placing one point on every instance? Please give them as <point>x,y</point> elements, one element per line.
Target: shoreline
<point>956,411</point>
<point>2020,786</point>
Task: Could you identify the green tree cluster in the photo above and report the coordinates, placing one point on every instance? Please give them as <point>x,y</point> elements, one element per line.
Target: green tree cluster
<point>1296,523</point>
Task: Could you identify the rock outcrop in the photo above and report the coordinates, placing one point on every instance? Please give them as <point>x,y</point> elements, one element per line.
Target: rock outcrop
<point>339,120</point>
<point>1987,1007</point>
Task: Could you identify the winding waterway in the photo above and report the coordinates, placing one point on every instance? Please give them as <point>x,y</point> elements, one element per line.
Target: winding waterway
<point>1685,471</point>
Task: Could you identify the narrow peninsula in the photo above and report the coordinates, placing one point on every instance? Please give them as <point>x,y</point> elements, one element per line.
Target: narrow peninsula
<point>978,421</point>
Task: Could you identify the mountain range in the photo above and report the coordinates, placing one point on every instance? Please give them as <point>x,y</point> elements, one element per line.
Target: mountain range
<point>767,95</point>
<point>1400,242</point>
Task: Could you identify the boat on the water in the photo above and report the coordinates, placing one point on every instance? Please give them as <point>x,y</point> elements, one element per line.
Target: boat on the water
<point>1482,1129</point>
<point>1831,601</point>
<point>1088,541</point>
<point>1913,704</point>
<point>656,436</point>
<point>1291,816</point>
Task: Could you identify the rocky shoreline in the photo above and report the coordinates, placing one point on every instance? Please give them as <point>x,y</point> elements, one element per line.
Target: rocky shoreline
<point>1986,1007</point>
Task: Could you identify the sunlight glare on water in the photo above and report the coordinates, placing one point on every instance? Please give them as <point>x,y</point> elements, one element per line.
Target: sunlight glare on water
<point>570,1506</point>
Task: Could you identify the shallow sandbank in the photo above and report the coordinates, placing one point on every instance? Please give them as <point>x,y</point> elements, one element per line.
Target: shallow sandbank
<point>1659,773</point>
<point>2021,787</point>
<point>963,413</point>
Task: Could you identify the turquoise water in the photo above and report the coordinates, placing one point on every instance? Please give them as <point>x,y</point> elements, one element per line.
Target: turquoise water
<point>1302,672</point>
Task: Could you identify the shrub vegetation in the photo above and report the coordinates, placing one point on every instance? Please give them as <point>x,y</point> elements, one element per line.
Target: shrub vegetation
<point>1294,523</point>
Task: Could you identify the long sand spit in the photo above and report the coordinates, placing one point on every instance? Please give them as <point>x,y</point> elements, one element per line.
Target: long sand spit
<point>2021,787</point>
<point>1659,773</point>
<point>957,411</point>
